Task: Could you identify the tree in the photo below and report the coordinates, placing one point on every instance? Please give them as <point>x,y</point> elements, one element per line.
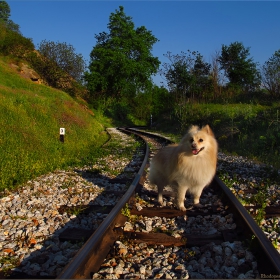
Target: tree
<point>216,76</point>
<point>201,72</point>
<point>13,43</point>
<point>64,56</point>
<point>161,102</point>
<point>187,74</point>
<point>177,72</point>
<point>60,67</point>
<point>239,69</point>
<point>187,77</point>
<point>271,74</point>
<point>121,63</point>
<point>11,40</point>
<point>5,13</point>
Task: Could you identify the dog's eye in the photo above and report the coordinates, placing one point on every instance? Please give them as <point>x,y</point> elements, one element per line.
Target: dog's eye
<point>200,140</point>
<point>191,140</point>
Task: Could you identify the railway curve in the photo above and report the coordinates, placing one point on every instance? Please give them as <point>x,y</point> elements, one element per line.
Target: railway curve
<point>124,232</point>
<point>243,230</point>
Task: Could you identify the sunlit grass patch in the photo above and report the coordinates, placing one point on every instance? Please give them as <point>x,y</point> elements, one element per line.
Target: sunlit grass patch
<point>30,118</point>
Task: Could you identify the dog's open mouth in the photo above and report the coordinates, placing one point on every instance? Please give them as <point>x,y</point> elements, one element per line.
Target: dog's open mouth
<point>197,151</point>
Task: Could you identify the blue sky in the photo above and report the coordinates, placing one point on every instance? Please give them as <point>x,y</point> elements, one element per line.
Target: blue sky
<point>201,26</point>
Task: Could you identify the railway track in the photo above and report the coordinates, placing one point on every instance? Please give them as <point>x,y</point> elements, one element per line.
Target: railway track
<point>140,240</point>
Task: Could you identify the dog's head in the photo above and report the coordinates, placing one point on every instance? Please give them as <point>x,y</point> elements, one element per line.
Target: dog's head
<point>197,140</point>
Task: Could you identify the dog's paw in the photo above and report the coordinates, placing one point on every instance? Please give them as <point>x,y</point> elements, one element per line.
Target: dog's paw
<point>160,201</point>
<point>182,208</point>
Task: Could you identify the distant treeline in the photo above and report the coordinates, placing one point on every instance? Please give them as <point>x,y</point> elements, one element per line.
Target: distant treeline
<point>118,79</point>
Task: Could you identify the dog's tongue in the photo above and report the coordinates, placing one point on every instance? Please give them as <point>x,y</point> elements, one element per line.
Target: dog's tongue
<point>195,152</point>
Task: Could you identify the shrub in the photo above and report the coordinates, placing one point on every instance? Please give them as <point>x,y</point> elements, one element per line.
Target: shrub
<point>13,43</point>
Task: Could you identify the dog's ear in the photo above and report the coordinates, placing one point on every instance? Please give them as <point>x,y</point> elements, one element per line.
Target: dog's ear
<point>208,130</point>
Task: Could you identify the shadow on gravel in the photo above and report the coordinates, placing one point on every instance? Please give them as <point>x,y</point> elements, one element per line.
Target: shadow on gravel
<point>78,219</point>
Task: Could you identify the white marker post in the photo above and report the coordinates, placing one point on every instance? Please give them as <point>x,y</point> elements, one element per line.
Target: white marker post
<point>62,133</point>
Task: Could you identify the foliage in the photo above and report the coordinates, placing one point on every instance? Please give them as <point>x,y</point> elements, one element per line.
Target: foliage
<point>55,76</point>
<point>187,75</point>
<point>260,199</point>
<point>121,62</point>
<point>31,116</point>
<point>119,81</point>
<point>63,55</point>
<point>251,130</point>
<point>216,77</point>
<point>58,64</point>
<point>49,71</point>
<point>126,211</point>
<point>5,13</point>
<point>161,101</point>
<point>149,105</point>
<point>271,74</point>
<point>201,72</point>
<point>177,72</point>
<point>188,79</point>
<point>8,263</point>
<point>13,43</point>
<point>239,69</point>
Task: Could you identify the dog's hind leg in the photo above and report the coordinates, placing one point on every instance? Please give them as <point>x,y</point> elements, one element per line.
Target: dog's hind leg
<point>160,191</point>
<point>155,181</point>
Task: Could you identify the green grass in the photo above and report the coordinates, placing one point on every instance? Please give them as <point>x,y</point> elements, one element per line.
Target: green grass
<point>31,115</point>
<point>30,118</point>
<point>251,130</point>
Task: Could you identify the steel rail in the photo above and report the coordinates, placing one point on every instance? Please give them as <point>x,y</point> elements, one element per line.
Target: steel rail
<point>80,267</point>
<point>268,255</point>
<point>268,251</point>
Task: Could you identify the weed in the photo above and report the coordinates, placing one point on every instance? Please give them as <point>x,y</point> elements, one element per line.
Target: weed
<point>140,200</point>
<point>134,219</point>
<point>126,211</point>
<point>275,244</point>
<point>275,224</point>
<point>8,263</point>
<point>16,217</point>
<point>260,199</point>
<point>260,215</point>
<point>157,230</point>
<point>76,210</point>
<point>189,254</point>
<point>67,184</point>
<point>251,242</point>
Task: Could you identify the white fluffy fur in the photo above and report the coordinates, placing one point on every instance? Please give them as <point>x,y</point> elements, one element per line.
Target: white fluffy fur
<point>187,166</point>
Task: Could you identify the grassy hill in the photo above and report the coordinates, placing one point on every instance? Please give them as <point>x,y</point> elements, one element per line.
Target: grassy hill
<point>30,118</point>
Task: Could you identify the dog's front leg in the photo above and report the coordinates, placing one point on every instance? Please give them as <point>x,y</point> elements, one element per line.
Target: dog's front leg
<point>196,197</point>
<point>181,192</point>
